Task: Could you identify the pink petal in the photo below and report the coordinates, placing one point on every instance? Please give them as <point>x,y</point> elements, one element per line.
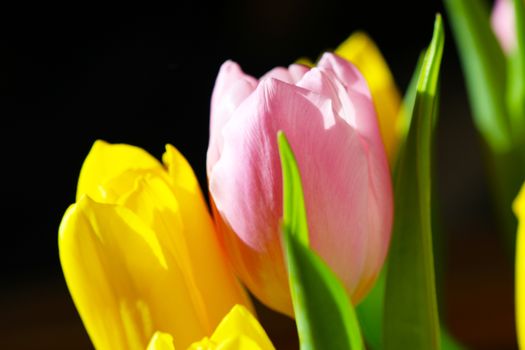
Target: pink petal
<point>297,71</point>
<point>279,73</point>
<point>359,113</point>
<point>231,88</point>
<point>367,126</point>
<point>292,75</point>
<point>503,24</point>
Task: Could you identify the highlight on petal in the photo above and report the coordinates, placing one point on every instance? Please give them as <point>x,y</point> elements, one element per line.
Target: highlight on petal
<point>290,75</point>
<point>238,330</point>
<point>106,161</point>
<point>364,119</point>
<point>241,322</point>
<point>519,210</point>
<point>231,89</point>
<point>161,341</point>
<point>364,54</point>
<point>297,71</point>
<point>179,170</point>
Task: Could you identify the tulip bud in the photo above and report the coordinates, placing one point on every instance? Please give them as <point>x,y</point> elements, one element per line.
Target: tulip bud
<point>503,24</point>
<point>139,251</point>
<point>328,116</point>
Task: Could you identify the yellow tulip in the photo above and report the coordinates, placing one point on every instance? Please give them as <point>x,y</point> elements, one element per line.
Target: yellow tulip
<point>519,209</point>
<point>239,330</point>
<point>364,54</point>
<point>139,251</point>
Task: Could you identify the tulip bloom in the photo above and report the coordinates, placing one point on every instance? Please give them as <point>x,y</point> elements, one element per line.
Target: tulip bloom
<point>329,118</point>
<point>503,24</point>
<point>139,252</point>
<point>239,330</point>
<point>519,209</point>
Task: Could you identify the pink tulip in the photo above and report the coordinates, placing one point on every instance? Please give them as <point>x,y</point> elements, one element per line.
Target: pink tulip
<point>503,24</point>
<point>329,119</point>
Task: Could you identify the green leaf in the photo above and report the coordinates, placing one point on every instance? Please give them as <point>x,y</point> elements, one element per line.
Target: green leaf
<point>411,317</point>
<point>325,316</point>
<point>516,75</point>
<point>370,310</point>
<point>370,313</point>
<point>410,97</point>
<point>294,212</point>
<point>484,68</point>
<point>448,342</point>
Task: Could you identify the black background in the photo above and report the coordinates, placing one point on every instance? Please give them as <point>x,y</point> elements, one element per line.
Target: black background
<point>67,80</point>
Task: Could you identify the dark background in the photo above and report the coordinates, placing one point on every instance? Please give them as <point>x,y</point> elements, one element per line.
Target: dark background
<point>66,81</point>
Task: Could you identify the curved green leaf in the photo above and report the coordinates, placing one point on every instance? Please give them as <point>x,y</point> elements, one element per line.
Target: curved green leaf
<point>516,75</point>
<point>370,310</point>
<point>325,316</point>
<point>370,313</point>
<point>294,212</point>
<point>484,69</point>
<point>411,317</point>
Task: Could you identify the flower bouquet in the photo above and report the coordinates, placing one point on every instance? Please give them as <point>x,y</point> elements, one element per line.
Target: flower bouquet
<point>320,207</point>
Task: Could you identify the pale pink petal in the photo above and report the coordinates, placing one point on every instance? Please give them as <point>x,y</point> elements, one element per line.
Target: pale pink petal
<point>323,81</point>
<point>279,73</point>
<point>292,75</point>
<point>231,88</point>
<point>358,92</point>
<point>503,24</point>
<point>297,71</point>
<point>367,126</point>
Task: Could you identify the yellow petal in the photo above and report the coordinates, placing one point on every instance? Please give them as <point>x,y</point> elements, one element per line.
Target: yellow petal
<point>161,341</point>
<point>106,161</point>
<point>240,322</point>
<point>238,330</point>
<point>113,191</point>
<point>211,270</point>
<point>154,202</point>
<point>204,344</point>
<point>305,61</point>
<point>237,343</point>
<point>364,54</point>
<point>180,172</point>
<point>122,283</point>
<point>519,209</point>
<point>519,205</point>
<point>189,286</point>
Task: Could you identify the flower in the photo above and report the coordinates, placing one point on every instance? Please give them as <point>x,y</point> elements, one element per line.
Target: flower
<point>503,24</point>
<point>329,118</point>
<point>139,252</point>
<point>239,330</point>
<point>519,210</point>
